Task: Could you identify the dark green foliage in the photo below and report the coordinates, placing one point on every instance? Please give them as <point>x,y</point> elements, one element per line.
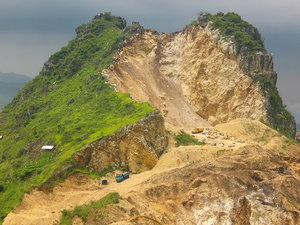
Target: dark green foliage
<point>185,139</point>
<point>246,36</point>
<point>42,113</point>
<point>85,210</point>
<point>279,117</point>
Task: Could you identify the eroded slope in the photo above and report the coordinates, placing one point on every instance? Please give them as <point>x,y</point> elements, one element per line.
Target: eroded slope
<point>198,73</point>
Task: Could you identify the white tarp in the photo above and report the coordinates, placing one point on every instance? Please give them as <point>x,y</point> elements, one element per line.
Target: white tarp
<point>48,147</point>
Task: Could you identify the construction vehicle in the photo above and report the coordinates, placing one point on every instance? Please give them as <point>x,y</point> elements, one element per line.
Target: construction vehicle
<point>120,177</point>
<point>197,130</point>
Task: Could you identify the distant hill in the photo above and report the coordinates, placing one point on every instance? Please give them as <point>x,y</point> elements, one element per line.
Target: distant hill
<point>10,84</point>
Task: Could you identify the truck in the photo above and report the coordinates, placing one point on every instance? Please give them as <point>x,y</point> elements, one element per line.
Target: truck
<point>120,177</point>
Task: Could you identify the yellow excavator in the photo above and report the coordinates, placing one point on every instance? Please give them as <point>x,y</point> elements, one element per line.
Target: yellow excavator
<point>197,130</point>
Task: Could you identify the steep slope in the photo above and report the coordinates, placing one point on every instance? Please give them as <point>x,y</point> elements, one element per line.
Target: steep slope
<point>216,69</point>
<point>10,84</point>
<point>70,105</point>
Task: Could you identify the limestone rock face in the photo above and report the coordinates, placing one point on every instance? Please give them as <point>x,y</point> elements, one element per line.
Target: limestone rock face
<point>198,73</point>
<point>136,147</point>
<point>259,64</point>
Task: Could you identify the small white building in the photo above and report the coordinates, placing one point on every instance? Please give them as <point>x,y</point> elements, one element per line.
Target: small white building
<point>48,147</point>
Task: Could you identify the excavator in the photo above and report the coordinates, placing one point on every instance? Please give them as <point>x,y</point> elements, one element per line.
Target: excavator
<point>197,130</point>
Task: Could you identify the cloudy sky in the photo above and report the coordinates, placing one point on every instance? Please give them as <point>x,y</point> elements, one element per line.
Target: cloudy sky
<point>32,30</point>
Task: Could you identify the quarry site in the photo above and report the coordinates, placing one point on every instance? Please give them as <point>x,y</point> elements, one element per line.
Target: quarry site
<point>240,169</point>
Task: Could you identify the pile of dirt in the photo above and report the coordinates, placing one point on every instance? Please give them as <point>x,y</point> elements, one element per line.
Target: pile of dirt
<point>254,132</point>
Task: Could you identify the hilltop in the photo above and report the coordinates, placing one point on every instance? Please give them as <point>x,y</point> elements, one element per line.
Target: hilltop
<point>118,97</point>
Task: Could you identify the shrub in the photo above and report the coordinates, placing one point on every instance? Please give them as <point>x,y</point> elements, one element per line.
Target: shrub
<point>246,36</point>
<point>185,139</point>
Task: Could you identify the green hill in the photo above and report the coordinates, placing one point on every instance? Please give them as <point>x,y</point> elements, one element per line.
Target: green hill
<point>69,105</point>
<point>10,84</point>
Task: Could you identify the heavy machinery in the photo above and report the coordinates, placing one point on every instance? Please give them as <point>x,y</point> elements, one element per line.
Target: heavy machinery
<point>197,130</point>
<point>120,177</point>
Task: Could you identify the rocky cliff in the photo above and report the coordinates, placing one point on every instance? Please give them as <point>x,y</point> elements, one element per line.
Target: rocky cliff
<point>200,73</point>
<point>135,147</point>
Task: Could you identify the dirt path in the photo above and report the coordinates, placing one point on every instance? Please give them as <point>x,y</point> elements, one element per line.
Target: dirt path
<point>40,208</point>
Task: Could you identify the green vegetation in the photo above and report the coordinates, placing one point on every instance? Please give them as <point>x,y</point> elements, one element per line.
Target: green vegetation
<point>278,114</point>
<point>68,105</point>
<point>94,209</point>
<point>185,139</point>
<point>246,36</point>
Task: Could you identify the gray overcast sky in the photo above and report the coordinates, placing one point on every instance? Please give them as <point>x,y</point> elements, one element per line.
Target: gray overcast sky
<point>32,30</point>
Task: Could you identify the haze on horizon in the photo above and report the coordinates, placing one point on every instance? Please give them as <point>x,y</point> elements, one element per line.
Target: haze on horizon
<point>32,30</point>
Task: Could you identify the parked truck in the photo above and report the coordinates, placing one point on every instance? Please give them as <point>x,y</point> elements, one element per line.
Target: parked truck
<point>120,177</point>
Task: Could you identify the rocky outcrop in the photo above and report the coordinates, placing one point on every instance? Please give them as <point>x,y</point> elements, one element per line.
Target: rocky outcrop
<point>198,74</point>
<point>136,147</point>
<point>259,64</point>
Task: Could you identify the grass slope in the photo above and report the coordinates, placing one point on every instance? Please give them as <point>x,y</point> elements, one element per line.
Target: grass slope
<point>68,105</point>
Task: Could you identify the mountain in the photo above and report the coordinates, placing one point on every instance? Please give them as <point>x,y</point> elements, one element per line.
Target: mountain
<point>10,84</point>
<point>69,105</point>
<point>124,98</point>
